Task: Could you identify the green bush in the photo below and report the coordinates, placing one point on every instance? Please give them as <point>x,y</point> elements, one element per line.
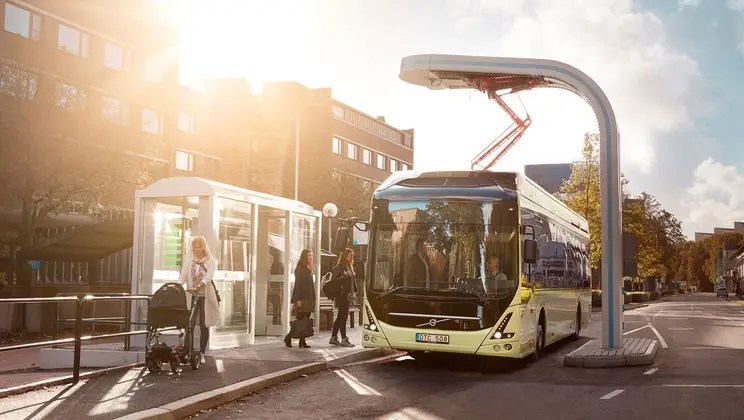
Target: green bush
<point>637,297</point>
<point>654,295</point>
<point>627,298</point>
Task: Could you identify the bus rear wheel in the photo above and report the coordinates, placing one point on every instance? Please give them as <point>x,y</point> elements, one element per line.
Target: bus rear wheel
<point>577,332</point>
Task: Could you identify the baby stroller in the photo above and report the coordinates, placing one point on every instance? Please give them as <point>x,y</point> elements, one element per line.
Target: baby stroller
<point>168,309</point>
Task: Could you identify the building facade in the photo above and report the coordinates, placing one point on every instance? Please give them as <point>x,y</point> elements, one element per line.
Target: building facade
<point>550,176</point>
<point>104,73</point>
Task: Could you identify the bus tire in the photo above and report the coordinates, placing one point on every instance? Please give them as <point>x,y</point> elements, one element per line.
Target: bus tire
<point>577,333</point>
<point>539,338</point>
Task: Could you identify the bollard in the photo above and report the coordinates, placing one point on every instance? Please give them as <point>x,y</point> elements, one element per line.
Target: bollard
<point>78,344</point>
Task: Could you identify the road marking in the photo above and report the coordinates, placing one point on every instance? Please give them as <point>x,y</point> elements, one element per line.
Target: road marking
<point>637,329</point>
<point>354,383</point>
<point>704,385</point>
<point>411,413</point>
<point>679,329</point>
<point>661,339</point>
<point>402,358</point>
<point>612,394</point>
<point>657,314</point>
<point>650,371</point>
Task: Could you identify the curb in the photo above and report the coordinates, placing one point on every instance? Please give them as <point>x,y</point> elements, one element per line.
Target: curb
<point>210,399</point>
<point>603,361</point>
<point>63,380</point>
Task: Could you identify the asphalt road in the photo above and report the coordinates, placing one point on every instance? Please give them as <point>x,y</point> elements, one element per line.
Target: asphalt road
<point>698,374</point>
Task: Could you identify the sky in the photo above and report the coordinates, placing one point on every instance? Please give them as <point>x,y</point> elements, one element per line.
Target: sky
<point>670,68</point>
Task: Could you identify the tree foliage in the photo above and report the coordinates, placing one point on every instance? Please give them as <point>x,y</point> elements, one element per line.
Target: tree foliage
<point>659,233</point>
<point>53,159</point>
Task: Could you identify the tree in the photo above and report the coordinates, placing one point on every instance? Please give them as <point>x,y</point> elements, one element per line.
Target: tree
<point>53,156</point>
<point>659,233</point>
<point>581,192</point>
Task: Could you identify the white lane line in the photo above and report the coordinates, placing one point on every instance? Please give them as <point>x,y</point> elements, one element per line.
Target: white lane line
<point>354,383</point>
<point>637,329</point>
<point>704,385</point>
<point>680,329</point>
<point>612,394</point>
<point>402,358</point>
<point>661,339</point>
<point>657,314</point>
<point>650,371</point>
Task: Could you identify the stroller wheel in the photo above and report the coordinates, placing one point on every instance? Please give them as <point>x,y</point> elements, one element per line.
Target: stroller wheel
<point>154,366</point>
<point>195,360</point>
<point>175,365</point>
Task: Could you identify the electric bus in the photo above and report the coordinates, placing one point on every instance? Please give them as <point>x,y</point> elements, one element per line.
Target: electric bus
<point>452,265</point>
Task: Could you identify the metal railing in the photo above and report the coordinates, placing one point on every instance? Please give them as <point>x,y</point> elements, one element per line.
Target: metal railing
<point>80,302</point>
<point>123,320</point>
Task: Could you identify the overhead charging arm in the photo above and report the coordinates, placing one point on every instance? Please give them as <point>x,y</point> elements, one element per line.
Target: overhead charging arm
<point>494,87</point>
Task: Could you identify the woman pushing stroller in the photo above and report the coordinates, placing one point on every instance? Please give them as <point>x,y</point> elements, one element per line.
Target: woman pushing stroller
<point>197,274</point>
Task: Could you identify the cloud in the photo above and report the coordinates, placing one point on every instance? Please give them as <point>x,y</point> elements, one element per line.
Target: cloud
<point>737,5</point>
<point>654,89</point>
<point>715,198</point>
<point>688,4</point>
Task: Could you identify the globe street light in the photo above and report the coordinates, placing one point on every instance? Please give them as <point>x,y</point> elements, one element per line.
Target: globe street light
<point>330,211</point>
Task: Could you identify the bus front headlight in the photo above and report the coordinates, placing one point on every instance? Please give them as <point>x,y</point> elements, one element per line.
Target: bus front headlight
<point>499,334</point>
<point>371,326</point>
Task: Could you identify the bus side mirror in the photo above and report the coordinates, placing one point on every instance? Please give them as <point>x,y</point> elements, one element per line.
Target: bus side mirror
<point>530,251</point>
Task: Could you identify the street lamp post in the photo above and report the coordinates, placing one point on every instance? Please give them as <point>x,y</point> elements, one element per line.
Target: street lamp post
<point>297,157</point>
<point>329,210</point>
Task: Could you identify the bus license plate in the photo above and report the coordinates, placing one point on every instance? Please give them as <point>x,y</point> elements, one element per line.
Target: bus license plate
<point>432,338</point>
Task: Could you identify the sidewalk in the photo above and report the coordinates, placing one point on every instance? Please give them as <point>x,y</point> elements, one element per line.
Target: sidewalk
<point>134,390</point>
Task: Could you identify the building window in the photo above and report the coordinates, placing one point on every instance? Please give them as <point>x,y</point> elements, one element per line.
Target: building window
<point>351,151</point>
<point>380,161</point>
<point>113,56</point>
<point>151,121</point>
<point>366,156</point>
<point>72,40</point>
<point>186,122</point>
<point>184,161</point>
<point>65,95</point>
<point>337,145</point>
<point>403,166</point>
<point>338,112</point>
<point>18,82</point>
<point>114,110</point>
<point>22,22</point>
<point>393,165</point>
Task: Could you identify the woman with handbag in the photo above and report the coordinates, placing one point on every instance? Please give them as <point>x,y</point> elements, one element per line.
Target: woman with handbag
<point>343,273</point>
<point>198,276</point>
<point>303,299</point>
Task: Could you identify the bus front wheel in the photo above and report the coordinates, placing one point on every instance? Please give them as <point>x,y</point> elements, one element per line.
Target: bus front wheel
<point>539,340</point>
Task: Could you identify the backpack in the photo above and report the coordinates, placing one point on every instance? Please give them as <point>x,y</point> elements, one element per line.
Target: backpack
<point>331,288</point>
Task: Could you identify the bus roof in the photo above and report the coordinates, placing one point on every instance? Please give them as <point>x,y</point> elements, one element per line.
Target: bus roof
<point>477,184</point>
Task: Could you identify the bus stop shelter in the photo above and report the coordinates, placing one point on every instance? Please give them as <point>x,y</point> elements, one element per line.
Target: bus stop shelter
<point>256,239</point>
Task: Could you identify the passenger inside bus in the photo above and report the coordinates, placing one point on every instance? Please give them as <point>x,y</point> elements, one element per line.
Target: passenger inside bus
<point>495,278</point>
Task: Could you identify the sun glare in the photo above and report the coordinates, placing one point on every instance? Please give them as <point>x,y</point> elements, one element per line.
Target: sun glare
<point>258,41</point>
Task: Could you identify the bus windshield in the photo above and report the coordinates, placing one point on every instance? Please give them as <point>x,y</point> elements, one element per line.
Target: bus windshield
<point>445,246</point>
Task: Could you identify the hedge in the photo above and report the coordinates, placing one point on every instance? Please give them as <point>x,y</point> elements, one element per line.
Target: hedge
<point>628,297</point>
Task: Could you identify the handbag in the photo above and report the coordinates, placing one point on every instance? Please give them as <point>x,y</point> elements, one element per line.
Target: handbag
<point>302,328</point>
<point>331,287</point>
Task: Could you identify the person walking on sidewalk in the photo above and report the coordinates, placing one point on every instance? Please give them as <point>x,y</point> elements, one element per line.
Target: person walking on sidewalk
<point>343,273</point>
<point>197,274</point>
<point>303,295</point>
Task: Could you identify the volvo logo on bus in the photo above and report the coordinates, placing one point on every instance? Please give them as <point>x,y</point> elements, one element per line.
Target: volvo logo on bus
<point>433,322</point>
